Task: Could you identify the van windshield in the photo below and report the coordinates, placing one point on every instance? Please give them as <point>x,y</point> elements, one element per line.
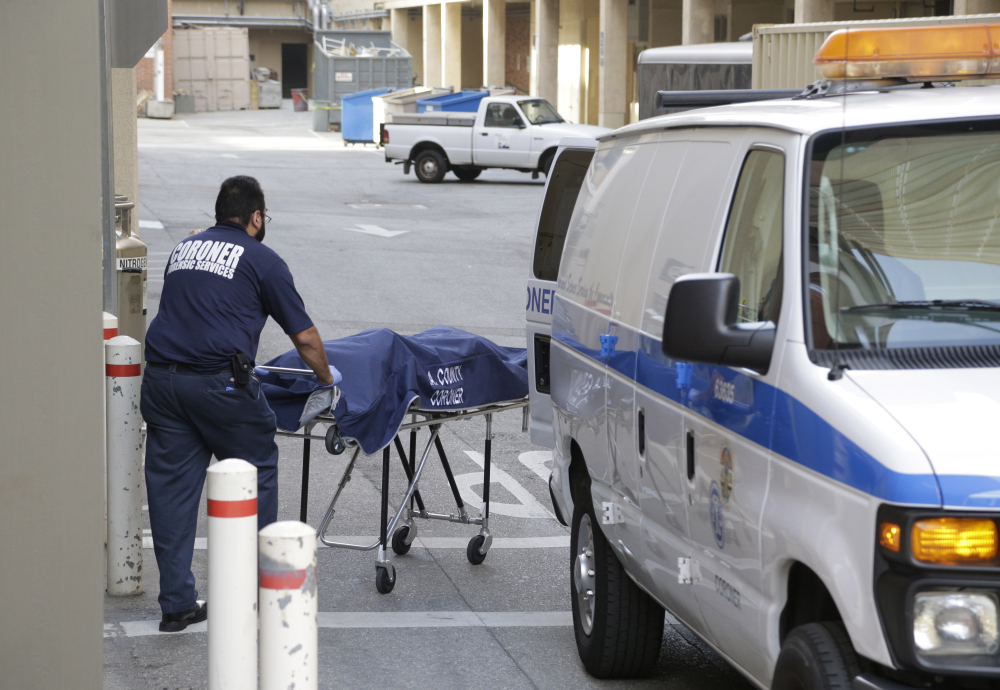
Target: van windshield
<point>904,237</point>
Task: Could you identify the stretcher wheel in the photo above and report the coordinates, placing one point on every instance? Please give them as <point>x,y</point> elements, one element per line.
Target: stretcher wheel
<point>399,544</point>
<point>472,552</point>
<point>334,441</point>
<point>384,582</point>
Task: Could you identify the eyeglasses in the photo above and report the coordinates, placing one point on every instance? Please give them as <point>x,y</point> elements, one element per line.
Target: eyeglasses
<point>267,218</point>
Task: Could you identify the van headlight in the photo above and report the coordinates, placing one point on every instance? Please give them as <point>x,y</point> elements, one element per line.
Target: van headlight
<point>955,623</point>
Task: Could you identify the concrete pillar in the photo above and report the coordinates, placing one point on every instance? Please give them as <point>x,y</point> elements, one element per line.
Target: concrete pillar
<point>399,24</point>
<point>495,42</point>
<point>612,45</point>
<point>546,65</point>
<point>698,20</point>
<point>451,45</point>
<point>432,46</point>
<point>806,11</point>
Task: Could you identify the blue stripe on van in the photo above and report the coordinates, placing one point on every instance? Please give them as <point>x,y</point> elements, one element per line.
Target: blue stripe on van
<point>771,418</point>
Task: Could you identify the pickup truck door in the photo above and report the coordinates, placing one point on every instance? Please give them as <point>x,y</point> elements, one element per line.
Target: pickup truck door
<point>498,142</point>
<point>561,190</point>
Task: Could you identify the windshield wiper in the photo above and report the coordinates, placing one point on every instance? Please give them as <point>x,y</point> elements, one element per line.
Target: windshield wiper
<point>943,304</point>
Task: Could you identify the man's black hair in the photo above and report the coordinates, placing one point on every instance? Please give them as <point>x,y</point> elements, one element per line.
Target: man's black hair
<point>238,198</point>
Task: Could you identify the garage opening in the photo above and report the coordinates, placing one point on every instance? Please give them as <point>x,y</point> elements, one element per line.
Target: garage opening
<point>294,68</point>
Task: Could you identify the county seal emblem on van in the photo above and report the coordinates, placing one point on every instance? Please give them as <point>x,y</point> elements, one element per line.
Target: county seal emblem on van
<point>726,474</point>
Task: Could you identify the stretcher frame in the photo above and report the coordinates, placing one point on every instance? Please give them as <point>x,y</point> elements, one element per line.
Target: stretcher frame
<point>402,526</point>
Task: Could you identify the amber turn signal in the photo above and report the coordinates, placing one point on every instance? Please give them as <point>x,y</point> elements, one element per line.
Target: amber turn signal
<point>948,541</point>
<point>889,536</point>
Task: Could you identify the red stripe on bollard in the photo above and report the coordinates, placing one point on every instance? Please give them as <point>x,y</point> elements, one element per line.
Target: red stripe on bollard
<point>110,333</point>
<point>232,509</point>
<point>123,369</point>
<point>286,579</point>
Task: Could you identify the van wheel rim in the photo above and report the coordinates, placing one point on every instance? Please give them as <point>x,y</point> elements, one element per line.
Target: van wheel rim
<point>428,167</point>
<point>583,574</point>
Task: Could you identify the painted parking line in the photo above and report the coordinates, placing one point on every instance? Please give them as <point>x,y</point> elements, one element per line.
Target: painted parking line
<point>376,230</point>
<point>352,620</point>
<point>557,542</point>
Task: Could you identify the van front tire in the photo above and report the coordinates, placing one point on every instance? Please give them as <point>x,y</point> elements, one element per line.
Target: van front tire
<point>466,173</point>
<point>619,628</point>
<point>430,166</point>
<point>816,656</point>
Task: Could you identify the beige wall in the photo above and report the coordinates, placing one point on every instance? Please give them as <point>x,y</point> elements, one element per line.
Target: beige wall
<point>415,44</point>
<point>265,47</point>
<point>51,473</point>
<point>472,50</point>
<point>665,23</point>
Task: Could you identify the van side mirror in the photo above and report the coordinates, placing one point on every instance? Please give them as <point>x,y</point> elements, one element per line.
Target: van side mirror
<point>519,123</point>
<point>700,324</point>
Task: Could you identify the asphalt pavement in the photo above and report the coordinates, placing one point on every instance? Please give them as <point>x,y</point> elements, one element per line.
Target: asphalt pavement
<point>369,247</point>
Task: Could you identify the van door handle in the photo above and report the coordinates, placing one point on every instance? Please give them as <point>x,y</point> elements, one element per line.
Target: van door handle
<point>485,134</point>
<point>641,430</point>
<point>690,455</point>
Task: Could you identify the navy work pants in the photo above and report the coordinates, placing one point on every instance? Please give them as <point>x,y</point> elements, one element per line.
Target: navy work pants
<point>191,417</point>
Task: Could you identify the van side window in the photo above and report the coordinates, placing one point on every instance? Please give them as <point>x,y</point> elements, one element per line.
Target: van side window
<point>500,115</point>
<point>567,176</point>
<point>752,249</point>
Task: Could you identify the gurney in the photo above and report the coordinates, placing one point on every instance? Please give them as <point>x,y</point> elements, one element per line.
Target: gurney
<point>393,383</point>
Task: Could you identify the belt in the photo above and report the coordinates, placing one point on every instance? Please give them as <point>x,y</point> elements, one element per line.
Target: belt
<point>187,369</point>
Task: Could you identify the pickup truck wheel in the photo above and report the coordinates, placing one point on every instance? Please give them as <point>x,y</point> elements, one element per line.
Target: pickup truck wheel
<point>619,628</point>
<point>430,166</point>
<point>466,173</point>
<point>816,656</point>
<point>546,163</point>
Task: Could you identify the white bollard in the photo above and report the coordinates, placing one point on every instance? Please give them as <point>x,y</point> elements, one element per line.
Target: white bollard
<point>110,326</point>
<point>289,637</point>
<point>123,379</point>
<point>232,575</point>
<point>110,331</point>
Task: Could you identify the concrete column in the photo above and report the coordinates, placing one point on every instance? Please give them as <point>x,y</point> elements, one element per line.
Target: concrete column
<point>612,45</point>
<point>495,42</point>
<point>399,24</point>
<point>809,11</point>
<point>546,65</point>
<point>698,20</point>
<point>451,45</point>
<point>432,46</point>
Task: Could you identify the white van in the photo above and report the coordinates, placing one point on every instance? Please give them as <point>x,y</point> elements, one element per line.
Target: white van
<point>775,377</point>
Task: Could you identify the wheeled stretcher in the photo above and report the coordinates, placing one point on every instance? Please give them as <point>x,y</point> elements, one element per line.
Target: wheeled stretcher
<point>394,384</point>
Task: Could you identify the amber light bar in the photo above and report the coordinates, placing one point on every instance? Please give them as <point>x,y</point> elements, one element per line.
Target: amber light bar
<point>916,54</point>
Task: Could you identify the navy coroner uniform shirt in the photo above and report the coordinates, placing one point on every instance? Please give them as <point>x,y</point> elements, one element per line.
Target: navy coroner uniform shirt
<point>219,287</point>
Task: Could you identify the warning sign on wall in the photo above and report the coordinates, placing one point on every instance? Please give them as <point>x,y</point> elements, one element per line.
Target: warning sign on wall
<point>343,76</point>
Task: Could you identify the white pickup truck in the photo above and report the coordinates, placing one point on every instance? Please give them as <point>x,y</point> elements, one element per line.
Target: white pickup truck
<point>515,132</point>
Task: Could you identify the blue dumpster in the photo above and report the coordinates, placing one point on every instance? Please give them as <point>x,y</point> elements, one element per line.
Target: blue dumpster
<point>356,122</point>
<point>462,102</point>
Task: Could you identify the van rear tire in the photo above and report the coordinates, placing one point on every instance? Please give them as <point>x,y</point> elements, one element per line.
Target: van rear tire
<point>816,656</point>
<point>430,166</point>
<point>619,628</point>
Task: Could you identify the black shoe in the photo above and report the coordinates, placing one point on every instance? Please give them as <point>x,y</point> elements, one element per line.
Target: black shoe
<point>175,622</point>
